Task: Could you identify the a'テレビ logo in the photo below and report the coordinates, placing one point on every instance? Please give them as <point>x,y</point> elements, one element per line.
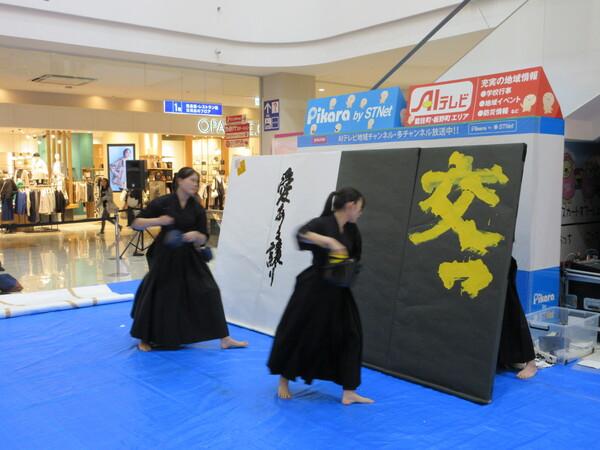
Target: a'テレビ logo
<point>441,98</point>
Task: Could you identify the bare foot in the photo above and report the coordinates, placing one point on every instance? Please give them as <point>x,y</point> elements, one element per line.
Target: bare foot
<point>283,390</point>
<point>529,370</point>
<point>351,397</point>
<point>144,346</point>
<point>229,342</point>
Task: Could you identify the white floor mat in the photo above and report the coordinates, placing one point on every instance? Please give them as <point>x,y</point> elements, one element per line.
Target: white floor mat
<point>38,302</point>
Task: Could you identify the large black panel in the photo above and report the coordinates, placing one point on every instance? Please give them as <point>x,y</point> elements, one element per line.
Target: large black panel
<point>136,173</point>
<point>386,179</point>
<point>450,301</point>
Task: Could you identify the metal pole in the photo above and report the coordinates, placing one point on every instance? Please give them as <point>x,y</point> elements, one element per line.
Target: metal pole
<point>117,255</point>
<point>422,43</point>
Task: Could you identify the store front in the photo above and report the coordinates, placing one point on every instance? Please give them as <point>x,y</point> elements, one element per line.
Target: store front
<point>70,164</point>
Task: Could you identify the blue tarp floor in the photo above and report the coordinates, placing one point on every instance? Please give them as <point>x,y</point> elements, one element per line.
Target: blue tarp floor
<point>75,380</point>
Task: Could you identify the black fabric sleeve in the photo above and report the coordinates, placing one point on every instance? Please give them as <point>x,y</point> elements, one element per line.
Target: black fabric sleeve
<point>201,224</point>
<point>316,226</point>
<point>154,209</point>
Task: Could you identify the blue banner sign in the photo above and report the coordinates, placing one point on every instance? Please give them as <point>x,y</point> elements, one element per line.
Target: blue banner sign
<point>370,110</point>
<point>541,125</point>
<point>198,109</point>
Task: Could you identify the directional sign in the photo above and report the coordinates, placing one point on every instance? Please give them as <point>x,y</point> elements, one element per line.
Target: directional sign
<point>199,109</point>
<point>271,115</point>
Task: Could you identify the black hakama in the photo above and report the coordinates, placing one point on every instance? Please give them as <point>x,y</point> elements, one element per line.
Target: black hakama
<point>178,301</point>
<point>516,345</point>
<point>320,335</point>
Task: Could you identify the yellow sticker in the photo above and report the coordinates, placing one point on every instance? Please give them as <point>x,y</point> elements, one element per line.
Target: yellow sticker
<point>242,167</point>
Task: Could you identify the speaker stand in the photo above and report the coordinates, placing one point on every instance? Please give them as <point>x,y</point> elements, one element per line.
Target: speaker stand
<point>139,245</point>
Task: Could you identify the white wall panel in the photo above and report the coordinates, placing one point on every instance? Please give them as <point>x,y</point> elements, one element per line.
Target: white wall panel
<point>561,36</point>
<point>249,226</point>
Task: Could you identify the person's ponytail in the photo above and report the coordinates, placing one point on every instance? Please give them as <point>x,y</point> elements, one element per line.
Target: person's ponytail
<point>328,208</point>
<point>338,199</point>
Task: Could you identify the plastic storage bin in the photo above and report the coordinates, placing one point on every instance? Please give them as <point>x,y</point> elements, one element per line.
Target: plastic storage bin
<point>563,333</point>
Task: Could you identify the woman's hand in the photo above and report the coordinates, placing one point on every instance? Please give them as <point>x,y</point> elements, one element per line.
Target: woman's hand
<point>199,239</point>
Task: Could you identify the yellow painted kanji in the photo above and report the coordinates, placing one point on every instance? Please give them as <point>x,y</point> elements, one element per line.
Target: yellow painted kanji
<point>471,183</point>
<point>473,275</point>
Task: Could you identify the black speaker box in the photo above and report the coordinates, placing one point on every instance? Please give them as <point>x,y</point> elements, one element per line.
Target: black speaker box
<point>136,173</point>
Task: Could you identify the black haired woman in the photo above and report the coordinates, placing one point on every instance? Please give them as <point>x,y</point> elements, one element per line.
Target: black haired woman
<point>105,203</point>
<point>320,335</point>
<point>178,301</point>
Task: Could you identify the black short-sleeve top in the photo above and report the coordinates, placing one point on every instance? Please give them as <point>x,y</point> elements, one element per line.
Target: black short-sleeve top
<point>190,218</point>
<point>328,226</point>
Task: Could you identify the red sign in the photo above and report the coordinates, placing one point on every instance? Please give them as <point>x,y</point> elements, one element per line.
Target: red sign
<point>235,119</point>
<point>237,143</point>
<point>500,96</point>
<point>237,135</point>
<point>241,131</point>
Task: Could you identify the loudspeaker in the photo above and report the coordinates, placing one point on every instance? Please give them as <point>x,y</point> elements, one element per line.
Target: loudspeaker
<point>136,173</point>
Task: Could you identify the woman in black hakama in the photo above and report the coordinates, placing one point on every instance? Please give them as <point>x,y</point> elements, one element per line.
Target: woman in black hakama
<point>178,301</point>
<point>516,346</point>
<point>320,335</point>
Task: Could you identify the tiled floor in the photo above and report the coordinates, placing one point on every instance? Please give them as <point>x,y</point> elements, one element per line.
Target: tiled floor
<point>73,256</point>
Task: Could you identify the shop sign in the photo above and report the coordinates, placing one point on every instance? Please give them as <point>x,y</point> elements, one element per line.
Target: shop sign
<point>370,110</point>
<point>200,109</point>
<point>211,126</point>
<point>232,143</point>
<point>271,115</point>
<point>505,95</point>
<point>237,135</point>
<point>235,119</point>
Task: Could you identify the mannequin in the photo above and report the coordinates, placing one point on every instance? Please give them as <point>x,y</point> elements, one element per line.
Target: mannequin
<point>39,169</point>
<point>59,170</point>
<point>218,187</point>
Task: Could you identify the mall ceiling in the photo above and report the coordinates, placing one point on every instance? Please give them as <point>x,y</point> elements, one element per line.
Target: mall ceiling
<point>119,78</point>
<point>233,86</point>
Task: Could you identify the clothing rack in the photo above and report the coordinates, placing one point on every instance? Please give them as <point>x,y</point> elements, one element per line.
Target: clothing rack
<point>53,225</point>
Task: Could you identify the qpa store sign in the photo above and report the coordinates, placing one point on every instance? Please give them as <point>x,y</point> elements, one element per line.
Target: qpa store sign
<point>216,127</point>
<point>211,126</point>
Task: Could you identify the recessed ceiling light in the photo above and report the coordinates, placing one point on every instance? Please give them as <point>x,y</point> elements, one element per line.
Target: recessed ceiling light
<point>321,90</point>
<point>62,80</point>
